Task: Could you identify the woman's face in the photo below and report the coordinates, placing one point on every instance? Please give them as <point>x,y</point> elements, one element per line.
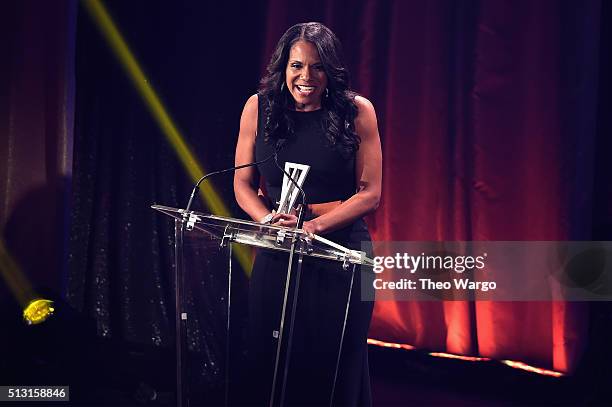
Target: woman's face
<point>305,76</point>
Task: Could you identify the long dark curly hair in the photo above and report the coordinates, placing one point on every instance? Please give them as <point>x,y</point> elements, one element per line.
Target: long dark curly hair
<point>339,104</point>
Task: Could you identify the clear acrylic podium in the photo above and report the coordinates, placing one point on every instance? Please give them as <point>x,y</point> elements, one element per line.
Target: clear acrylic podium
<point>295,242</point>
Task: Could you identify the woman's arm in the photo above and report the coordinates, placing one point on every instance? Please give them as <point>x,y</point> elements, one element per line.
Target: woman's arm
<point>245,188</point>
<point>368,172</point>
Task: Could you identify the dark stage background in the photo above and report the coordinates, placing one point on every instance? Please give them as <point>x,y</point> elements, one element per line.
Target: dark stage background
<point>495,125</point>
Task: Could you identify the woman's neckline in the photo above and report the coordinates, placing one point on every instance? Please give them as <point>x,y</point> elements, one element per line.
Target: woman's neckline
<point>306,111</point>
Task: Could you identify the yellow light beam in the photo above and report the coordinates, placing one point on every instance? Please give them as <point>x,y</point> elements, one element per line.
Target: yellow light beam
<point>15,280</point>
<point>111,33</point>
<point>35,310</point>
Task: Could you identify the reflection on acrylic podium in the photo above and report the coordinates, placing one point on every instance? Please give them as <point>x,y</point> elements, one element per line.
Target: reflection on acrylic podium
<point>226,231</point>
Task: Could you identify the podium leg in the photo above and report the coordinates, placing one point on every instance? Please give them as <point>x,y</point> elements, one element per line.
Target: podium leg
<point>298,275</point>
<point>282,325</point>
<point>346,311</point>
<point>227,327</point>
<point>181,316</point>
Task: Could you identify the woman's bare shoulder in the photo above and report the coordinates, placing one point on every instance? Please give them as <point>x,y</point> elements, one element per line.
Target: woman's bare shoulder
<point>363,103</point>
<point>252,103</point>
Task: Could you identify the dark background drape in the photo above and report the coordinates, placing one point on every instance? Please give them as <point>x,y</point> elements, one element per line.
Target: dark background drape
<point>494,123</point>
<point>37,85</point>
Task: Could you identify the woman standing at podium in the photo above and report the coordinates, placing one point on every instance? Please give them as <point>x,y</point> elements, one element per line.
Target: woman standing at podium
<point>306,106</point>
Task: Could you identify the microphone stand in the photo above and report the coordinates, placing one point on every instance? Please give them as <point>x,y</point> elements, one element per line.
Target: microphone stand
<point>181,316</point>
<point>179,280</point>
<point>299,224</point>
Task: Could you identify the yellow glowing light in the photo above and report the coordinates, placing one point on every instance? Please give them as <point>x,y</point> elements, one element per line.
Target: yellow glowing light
<point>516,365</point>
<point>390,345</point>
<point>38,311</point>
<point>458,357</point>
<point>524,366</point>
<point>111,33</point>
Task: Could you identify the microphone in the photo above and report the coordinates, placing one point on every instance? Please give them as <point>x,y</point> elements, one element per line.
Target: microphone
<point>279,145</point>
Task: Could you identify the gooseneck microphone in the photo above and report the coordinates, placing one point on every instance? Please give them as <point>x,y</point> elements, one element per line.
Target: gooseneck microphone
<point>279,146</point>
<point>196,187</point>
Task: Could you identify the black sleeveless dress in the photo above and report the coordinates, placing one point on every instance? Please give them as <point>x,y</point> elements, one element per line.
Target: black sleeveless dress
<point>323,288</point>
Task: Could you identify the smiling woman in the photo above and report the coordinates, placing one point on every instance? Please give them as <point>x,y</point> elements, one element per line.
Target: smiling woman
<point>306,78</point>
<point>306,106</point>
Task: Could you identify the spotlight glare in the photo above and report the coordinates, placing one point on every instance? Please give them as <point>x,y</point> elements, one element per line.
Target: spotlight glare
<point>38,311</point>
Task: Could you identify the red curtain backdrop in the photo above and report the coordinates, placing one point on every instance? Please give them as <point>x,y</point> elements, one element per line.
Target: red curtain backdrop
<point>487,111</point>
<point>486,129</point>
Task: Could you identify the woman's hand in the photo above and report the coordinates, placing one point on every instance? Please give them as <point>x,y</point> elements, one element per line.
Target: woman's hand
<point>284,219</point>
<point>289,220</point>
